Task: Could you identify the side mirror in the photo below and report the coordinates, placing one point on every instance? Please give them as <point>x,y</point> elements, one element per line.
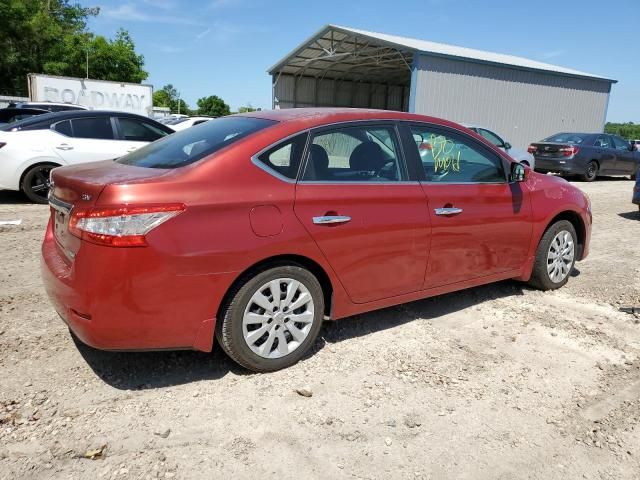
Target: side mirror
<point>518,172</point>
<point>507,146</point>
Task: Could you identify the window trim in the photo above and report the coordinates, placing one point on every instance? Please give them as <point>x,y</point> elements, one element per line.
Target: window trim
<point>266,168</point>
<point>506,164</point>
<point>390,124</point>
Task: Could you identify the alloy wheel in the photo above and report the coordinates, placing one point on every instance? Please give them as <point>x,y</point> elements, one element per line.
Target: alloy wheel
<point>40,184</point>
<point>278,318</point>
<point>560,256</point>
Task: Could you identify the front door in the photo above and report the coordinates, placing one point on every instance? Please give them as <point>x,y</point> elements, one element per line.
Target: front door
<point>626,161</point>
<point>480,223</point>
<point>371,224</point>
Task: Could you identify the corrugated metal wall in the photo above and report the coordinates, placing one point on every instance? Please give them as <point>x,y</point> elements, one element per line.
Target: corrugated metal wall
<point>522,106</point>
<point>291,92</point>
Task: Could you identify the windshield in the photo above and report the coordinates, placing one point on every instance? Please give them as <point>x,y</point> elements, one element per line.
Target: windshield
<point>190,145</point>
<point>576,138</point>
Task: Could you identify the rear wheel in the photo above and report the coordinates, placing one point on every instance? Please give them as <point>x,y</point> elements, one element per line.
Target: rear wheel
<point>591,172</point>
<point>555,256</point>
<point>272,318</point>
<point>35,182</point>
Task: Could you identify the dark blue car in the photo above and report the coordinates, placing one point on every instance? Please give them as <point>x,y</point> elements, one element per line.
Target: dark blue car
<point>586,155</point>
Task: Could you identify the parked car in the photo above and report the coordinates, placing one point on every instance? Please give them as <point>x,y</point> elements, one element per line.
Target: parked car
<point>635,144</point>
<point>586,155</point>
<point>48,106</point>
<point>183,123</point>
<point>29,149</point>
<point>517,154</point>
<point>261,225</point>
<point>11,115</point>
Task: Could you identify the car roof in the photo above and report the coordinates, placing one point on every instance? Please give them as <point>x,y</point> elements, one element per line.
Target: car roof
<point>312,117</point>
<point>49,118</point>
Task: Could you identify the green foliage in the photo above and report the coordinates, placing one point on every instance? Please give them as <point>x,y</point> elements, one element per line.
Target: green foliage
<point>213,106</point>
<point>50,36</point>
<point>630,130</point>
<point>246,109</point>
<point>168,96</point>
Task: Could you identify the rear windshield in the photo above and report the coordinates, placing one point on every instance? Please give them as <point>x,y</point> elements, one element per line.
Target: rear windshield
<point>190,145</point>
<point>566,138</point>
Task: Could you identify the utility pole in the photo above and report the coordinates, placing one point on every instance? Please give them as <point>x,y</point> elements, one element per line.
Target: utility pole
<point>87,52</point>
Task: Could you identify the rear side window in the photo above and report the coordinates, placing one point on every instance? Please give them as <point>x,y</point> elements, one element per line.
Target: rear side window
<point>190,145</point>
<point>285,157</point>
<point>139,131</point>
<point>96,128</point>
<point>64,128</point>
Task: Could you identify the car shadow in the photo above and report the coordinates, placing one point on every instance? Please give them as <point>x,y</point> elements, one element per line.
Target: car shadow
<point>12,197</point>
<point>161,369</point>
<point>632,215</point>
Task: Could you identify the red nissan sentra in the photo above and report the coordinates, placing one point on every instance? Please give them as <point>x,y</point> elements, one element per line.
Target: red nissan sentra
<point>255,228</point>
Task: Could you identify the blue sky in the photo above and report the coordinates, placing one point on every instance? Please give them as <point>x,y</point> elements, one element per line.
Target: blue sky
<point>224,47</point>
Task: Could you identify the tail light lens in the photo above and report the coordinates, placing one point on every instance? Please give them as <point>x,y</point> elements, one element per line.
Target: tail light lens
<point>120,226</point>
<point>532,149</point>
<point>569,151</point>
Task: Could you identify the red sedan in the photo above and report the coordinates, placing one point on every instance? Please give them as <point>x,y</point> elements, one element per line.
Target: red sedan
<point>255,228</point>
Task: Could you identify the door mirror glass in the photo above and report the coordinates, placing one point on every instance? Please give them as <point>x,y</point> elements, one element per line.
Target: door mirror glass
<point>517,172</point>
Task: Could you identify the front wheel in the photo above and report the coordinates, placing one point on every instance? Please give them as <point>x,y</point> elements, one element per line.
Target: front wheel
<point>272,318</point>
<point>555,257</point>
<point>591,172</point>
<point>35,183</point>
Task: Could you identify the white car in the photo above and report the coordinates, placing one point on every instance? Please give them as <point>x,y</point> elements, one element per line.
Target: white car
<point>31,148</point>
<point>519,155</point>
<point>184,123</point>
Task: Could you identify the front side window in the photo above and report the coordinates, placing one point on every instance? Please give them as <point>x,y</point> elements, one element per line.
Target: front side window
<point>354,154</point>
<point>620,143</point>
<point>491,137</point>
<point>450,158</point>
<point>284,158</point>
<point>96,128</point>
<point>190,145</point>
<point>139,131</point>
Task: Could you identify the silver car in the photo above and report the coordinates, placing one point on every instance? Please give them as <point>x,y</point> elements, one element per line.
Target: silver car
<point>519,155</point>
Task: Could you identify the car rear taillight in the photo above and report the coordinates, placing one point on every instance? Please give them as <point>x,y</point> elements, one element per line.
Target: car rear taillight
<point>120,226</point>
<point>532,149</point>
<point>569,151</point>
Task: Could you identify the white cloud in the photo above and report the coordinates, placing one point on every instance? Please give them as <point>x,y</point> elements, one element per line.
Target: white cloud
<point>203,34</point>
<point>129,12</point>
<point>553,54</point>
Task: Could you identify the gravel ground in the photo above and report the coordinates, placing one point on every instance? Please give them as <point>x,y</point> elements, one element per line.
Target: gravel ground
<point>494,382</point>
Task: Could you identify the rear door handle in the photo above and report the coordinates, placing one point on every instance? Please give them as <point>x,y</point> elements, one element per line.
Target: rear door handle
<point>64,146</point>
<point>331,219</point>
<point>448,211</point>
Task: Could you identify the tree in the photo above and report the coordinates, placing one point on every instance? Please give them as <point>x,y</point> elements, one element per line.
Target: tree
<point>50,36</point>
<point>629,130</point>
<point>246,109</point>
<point>213,106</point>
<point>168,96</point>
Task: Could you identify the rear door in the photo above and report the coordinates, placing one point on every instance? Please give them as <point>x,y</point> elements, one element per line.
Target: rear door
<point>369,220</point>
<point>86,139</point>
<point>480,223</point>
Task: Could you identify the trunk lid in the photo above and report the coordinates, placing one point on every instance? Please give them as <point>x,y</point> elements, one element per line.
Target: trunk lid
<point>551,149</point>
<point>79,187</point>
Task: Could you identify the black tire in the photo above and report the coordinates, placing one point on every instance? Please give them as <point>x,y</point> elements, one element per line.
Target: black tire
<point>591,172</point>
<point>229,328</point>
<point>35,182</point>
<point>540,277</point>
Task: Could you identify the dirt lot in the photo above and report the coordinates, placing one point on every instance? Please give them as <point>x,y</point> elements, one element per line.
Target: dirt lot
<point>494,382</point>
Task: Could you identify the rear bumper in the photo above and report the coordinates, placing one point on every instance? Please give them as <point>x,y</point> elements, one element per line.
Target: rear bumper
<point>131,298</point>
<point>545,165</point>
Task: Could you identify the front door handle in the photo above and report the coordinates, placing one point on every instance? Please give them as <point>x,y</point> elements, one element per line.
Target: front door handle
<point>331,219</point>
<point>448,211</point>
<point>64,146</point>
